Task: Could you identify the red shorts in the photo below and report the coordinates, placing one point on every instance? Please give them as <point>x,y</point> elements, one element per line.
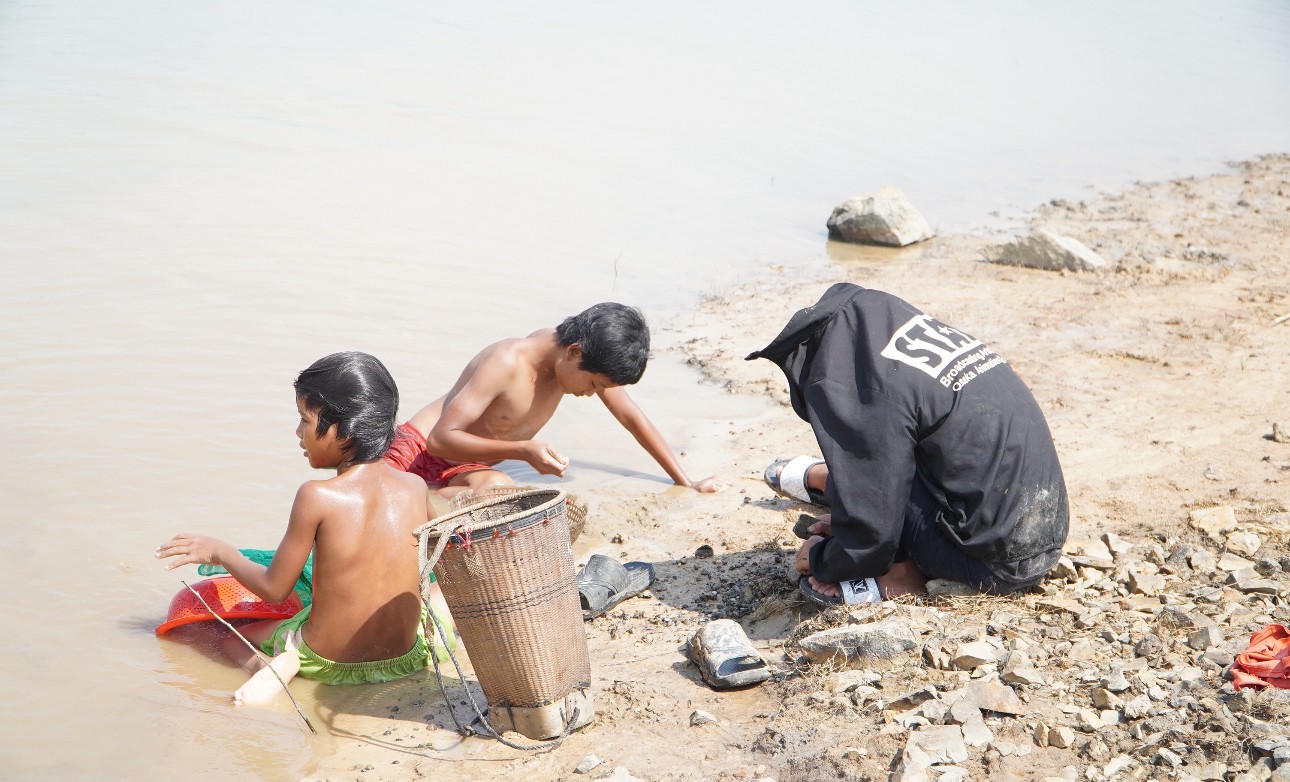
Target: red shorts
<point>408,453</point>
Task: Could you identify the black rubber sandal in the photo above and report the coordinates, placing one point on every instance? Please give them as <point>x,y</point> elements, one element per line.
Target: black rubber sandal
<point>605,582</point>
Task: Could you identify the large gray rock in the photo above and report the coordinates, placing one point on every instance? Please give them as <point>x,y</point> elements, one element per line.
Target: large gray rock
<point>885,217</point>
<point>939,744</point>
<point>872,641</point>
<point>992,695</point>
<point>1215,522</point>
<point>1046,250</point>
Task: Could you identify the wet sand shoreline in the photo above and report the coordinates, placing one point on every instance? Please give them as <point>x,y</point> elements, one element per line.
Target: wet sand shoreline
<point>1161,379</point>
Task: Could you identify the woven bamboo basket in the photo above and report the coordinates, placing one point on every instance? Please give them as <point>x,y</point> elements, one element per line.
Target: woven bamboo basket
<point>507,574</point>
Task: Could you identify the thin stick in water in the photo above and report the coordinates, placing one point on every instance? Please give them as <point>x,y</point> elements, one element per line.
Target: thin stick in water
<point>258,654</point>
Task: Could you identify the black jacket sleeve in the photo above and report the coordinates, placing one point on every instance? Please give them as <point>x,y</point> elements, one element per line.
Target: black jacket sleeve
<point>868,442</point>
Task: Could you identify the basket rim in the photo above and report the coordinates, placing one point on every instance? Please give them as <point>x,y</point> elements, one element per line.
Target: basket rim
<point>436,528</point>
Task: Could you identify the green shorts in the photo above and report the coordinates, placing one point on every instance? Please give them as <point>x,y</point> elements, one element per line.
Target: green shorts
<point>312,666</point>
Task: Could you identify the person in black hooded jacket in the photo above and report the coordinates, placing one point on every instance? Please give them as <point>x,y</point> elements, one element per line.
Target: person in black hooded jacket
<point>938,462</point>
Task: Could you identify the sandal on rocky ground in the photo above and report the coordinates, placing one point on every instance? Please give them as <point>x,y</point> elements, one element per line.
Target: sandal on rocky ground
<point>725,657</point>
<point>859,590</point>
<point>605,582</point>
<point>787,477</point>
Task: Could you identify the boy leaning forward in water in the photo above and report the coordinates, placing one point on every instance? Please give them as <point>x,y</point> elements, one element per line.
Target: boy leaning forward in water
<point>509,391</point>
<point>365,623</point>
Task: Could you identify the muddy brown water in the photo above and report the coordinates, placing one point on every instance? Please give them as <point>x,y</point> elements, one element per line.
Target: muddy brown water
<point>196,201</point>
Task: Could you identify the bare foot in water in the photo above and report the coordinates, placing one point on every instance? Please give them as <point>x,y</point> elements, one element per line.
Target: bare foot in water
<point>263,686</point>
<point>902,579</point>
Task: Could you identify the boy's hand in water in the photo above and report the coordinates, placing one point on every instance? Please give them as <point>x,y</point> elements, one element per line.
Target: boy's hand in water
<point>192,550</point>
<point>709,485</point>
<point>545,460</point>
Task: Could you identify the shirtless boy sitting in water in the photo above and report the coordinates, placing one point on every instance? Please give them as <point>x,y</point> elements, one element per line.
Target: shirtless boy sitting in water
<point>508,392</point>
<point>365,622</point>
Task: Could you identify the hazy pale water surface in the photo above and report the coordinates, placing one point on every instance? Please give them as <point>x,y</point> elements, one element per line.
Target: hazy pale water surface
<point>198,200</point>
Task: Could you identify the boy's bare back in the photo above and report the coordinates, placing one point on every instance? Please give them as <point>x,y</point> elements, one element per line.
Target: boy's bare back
<point>366,586</point>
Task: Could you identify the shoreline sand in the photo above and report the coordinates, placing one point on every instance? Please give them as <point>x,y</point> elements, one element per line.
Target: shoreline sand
<point>1161,379</point>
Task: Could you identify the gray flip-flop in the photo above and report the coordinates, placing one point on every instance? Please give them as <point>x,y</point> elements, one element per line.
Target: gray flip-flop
<point>725,657</point>
<point>605,582</point>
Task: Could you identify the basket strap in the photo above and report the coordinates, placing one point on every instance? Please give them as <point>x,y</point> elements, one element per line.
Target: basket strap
<point>480,717</point>
<point>427,561</point>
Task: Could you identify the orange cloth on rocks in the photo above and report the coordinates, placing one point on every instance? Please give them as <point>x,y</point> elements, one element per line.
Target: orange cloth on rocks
<point>1265,662</point>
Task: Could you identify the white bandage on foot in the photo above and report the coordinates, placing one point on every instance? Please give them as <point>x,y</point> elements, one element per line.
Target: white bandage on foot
<point>860,590</point>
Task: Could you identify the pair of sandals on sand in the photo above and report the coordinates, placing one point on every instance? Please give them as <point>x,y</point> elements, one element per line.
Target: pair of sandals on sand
<point>721,650</point>
<point>787,478</point>
<point>724,655</point>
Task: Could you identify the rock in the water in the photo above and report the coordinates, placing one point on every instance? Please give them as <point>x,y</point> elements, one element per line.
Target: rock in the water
<point>1046,250</point>
<point>885,218</point>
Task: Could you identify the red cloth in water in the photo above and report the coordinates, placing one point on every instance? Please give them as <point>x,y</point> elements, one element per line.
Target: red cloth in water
<point>408,453</point>
<point>1265,662</point>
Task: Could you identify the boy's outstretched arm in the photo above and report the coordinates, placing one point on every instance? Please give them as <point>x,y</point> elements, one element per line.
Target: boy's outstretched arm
<point>275,582</point>
<point>635,421</point>
<point>464,406</point>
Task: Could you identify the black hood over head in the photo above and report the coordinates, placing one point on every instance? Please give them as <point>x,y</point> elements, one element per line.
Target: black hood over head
<point>795,347</point>
<point>894,397</point>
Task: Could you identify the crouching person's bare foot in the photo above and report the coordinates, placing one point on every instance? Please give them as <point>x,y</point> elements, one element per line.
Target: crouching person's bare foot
<point>902,579</point>
<point>263,686</point>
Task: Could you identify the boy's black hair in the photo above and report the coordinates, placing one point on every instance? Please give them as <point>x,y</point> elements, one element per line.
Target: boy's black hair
<point>355,392</point>
<point>614,340</point>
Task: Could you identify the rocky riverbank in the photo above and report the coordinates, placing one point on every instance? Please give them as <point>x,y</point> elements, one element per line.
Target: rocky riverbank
<point>1164,378</point>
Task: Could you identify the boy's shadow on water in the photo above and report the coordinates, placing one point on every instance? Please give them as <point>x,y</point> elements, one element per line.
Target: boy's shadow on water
<point>203,637</point>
